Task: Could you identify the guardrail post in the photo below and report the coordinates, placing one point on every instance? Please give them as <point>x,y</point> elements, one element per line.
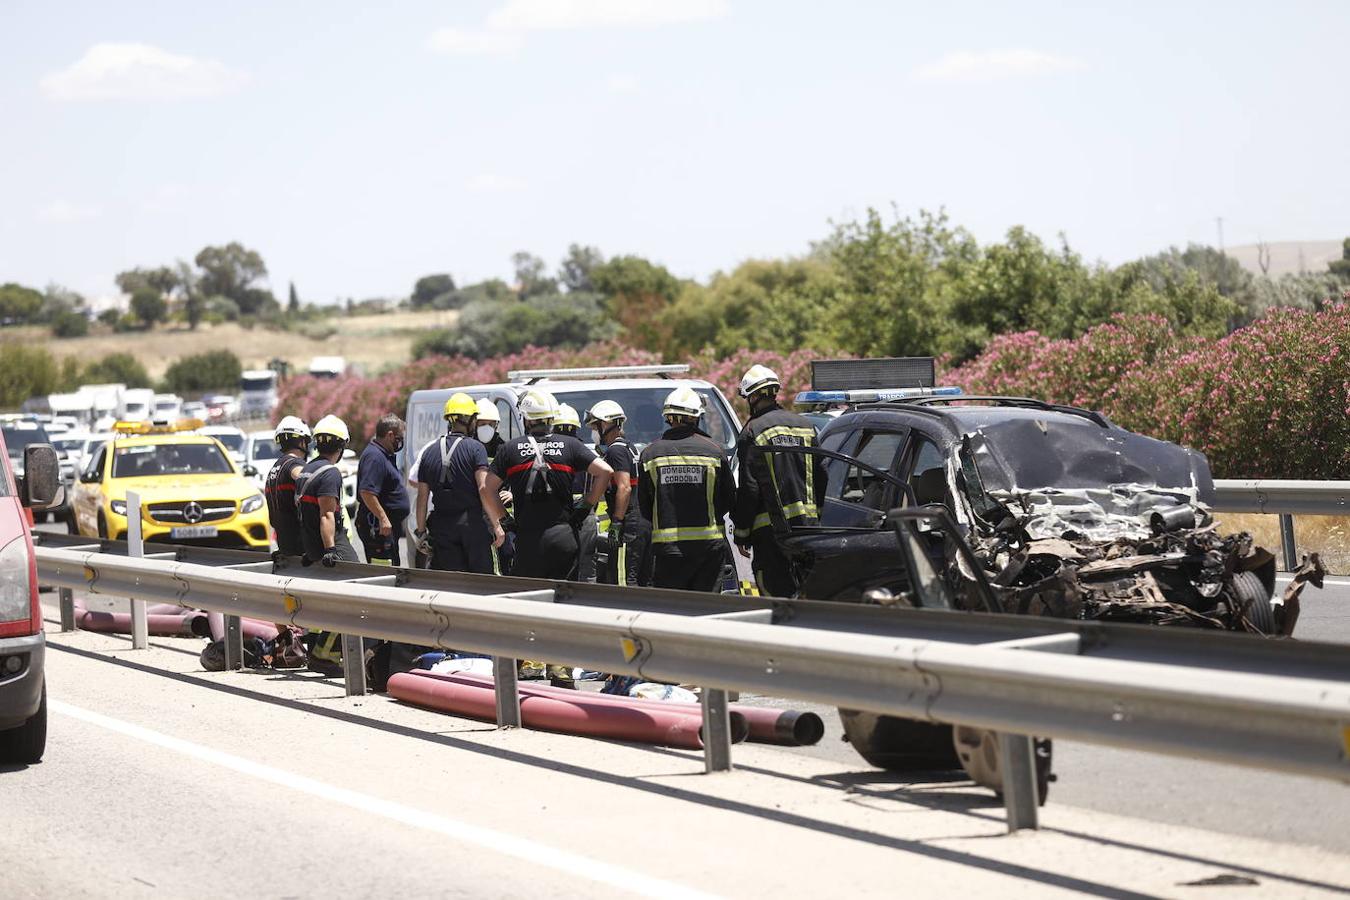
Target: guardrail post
<point>67,598</point>
<point>1019,781</point>
<point>140,626</point>
<point>354,665</point>
<point>507,690</point>
<point>1287,542</point>
<point>234,644</point>
<point>716,730</point>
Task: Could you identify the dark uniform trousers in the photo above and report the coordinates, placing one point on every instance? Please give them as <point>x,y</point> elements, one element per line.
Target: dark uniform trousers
<point>631,563</point>
<point>550,553</point>
<point>460,541</point>
<point>697,567</point>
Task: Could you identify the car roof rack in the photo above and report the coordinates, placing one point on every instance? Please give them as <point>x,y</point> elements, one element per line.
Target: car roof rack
<point>1017,403</point>
<point>533,376</point>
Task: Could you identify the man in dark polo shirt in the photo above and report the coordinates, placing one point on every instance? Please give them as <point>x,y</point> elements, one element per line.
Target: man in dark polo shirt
<point>379,485</point>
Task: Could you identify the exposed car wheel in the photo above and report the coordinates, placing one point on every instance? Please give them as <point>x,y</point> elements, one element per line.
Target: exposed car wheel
<point>900,745</point>
<point>982,758</point>
<point>1251,593</point>
<point>25,745</point>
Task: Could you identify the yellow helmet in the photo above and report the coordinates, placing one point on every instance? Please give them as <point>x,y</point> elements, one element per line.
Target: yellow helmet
<point>332,426</point>
<point>566,416</point>
<point>460,404</point>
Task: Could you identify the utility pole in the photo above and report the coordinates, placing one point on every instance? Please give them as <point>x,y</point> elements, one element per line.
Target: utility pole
<point>1219,220</point>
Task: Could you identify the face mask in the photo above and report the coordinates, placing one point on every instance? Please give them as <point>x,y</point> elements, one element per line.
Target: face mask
<point>398,444</point>
<point>485,433</point>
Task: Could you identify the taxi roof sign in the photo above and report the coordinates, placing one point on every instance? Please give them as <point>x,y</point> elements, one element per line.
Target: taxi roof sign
<point>159,427</point>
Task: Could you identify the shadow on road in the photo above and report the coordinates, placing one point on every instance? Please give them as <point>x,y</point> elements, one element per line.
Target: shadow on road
<point>918,847</point>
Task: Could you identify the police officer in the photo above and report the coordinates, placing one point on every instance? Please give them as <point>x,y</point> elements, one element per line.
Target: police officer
<point>452,473</point>
<point>292,437</point>
<point>569,423</point>
<point>323,529</point>
<point>379,486</point>
<point>778,491</point>
<point>629,533</point>
<point>538,468</point>
<point>686,486</point>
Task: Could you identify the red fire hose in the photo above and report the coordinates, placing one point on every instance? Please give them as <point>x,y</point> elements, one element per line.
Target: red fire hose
<point>616,718</point>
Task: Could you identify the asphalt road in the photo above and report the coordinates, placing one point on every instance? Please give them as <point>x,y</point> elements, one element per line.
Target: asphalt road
<point>161,780</point>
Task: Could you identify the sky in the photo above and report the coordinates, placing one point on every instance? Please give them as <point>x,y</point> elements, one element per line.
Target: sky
<point>359,146</point>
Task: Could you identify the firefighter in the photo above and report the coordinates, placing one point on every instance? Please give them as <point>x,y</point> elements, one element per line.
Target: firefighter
<point>629,533</point>
<point>488,434</point>
<point>292,437</point>
<point>538,469</point>
<point>686,487</point>
<point>323,529</point>
<point>569,423</point>
<point>489,420</point>
<point>778,491</point>
<point>465,525</point>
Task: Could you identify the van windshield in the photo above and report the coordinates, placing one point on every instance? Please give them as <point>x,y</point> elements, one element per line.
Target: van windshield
<point>256,384</point>
<point>643,408</point>
<point>18,438</point>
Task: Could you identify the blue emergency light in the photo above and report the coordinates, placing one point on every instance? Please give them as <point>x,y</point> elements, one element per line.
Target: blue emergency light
<point>875,395</point>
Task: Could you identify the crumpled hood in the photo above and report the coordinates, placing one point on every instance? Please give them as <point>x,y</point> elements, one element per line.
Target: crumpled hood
<point>1098,514</point>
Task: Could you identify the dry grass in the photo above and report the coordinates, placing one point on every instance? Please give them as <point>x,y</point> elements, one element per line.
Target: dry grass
<point>1327,535</point>
<point>372,342</point>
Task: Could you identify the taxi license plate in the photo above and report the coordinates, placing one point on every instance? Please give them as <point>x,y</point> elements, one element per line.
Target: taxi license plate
<point>193,531</point>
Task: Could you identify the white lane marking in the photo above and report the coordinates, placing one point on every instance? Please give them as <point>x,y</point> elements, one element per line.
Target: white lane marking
<point>487,838</point>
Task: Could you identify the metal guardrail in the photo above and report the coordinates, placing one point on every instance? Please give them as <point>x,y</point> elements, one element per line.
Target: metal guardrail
<point>1285,498</point>
<point>1271,704</point>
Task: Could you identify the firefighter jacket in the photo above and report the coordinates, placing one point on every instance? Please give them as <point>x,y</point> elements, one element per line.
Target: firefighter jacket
<point>777,490</point>
<point>685,489</point>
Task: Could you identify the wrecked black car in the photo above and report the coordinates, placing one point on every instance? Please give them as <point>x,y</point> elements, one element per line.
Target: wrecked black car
<point>1068,514</point>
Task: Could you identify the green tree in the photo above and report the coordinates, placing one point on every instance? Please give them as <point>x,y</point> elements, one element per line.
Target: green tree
<point>532,278</point>
<point>233,271</point>
<point>149,306</point>
<point>117,368</point>
<point>577,266</point>
<point>1341,267</point>
<point>637,292</point>
<point>26,370</point>
<point>292,300</point>
<point>19,304</point>
<point>68,324</point>
<point>1212,266</point>
<point>215,369</point>
<point>488,328</point>
<point>429,289</point>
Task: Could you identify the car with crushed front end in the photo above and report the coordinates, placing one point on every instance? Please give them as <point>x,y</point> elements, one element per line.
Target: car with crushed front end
<point>1053,510</point>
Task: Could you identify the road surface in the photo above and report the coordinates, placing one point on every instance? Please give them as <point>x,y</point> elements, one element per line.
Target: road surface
<point>164,781</point>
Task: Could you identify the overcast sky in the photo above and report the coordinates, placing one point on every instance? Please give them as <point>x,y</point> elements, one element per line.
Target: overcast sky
<point>358,147</point>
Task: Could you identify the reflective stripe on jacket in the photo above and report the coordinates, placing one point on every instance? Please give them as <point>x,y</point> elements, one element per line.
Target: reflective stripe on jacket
<point>685,488</point>
<point>778,490</point>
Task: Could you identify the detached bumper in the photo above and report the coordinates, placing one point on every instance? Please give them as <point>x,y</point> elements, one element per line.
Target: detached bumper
<point>21,693</point>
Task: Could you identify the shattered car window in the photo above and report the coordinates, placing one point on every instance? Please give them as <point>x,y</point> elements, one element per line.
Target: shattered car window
<point>878,450</point>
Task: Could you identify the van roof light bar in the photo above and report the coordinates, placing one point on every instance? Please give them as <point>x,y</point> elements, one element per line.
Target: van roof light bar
<point>872,395</point>
<point>530,376</point>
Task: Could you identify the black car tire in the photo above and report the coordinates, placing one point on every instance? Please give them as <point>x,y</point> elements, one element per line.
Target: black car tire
<point>25,745</point>
<point>102,526</point>
<point>900,745</point>
<point>1251,593</point>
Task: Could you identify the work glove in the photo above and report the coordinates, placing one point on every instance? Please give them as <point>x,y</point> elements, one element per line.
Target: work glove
<point>330,558</point>
<point>615,534</point>
<point>422,541</point>
<point>579,513</point>
<point>509,523</point>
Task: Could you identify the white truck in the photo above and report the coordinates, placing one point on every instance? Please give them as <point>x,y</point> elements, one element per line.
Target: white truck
<point>138,405</point>
<point>258,393</point>
<point>78,406</point>
<point>167,407</point>
<point>327,366</point>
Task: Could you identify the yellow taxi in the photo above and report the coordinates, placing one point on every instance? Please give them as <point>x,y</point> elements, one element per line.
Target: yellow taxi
<point>191,491</point>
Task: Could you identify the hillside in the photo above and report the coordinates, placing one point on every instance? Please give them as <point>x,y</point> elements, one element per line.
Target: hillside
<point>1288,257</point>
<point>371,342</point>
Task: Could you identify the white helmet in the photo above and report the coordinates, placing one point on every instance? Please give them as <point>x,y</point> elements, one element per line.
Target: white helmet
<point>566,416</point>
<point>291,427</point>
<point>683,401</point>
<point>758,377</point>
<point>487,411</point>
<point>605,411</point>
<point>332,426</point>
<point>538,406</point>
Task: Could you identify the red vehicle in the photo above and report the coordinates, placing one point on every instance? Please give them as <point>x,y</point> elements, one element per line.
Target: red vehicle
<point>23,690</point>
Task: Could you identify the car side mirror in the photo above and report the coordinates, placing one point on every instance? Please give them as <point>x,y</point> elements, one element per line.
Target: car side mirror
<point>250,471</point>
<point>41,487</point>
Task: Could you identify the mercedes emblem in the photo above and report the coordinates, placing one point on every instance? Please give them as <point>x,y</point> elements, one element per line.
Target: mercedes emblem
<point>192,512</point>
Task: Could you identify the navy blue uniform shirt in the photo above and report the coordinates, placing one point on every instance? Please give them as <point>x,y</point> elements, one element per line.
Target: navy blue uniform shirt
<point>378,473</point>
<point>455,491</point>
